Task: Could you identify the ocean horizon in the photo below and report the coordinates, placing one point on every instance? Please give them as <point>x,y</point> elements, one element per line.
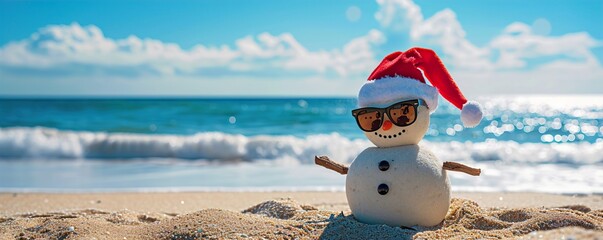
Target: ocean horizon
<point>538,143</point>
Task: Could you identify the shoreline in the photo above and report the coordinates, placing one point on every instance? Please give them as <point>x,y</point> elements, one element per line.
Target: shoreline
<point>185,202</point>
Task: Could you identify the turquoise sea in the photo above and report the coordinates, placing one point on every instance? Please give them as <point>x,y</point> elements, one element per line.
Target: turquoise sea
<point>524,143</point>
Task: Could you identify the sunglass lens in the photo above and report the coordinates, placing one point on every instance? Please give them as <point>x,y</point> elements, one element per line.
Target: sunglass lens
<point>369,120</point>
<point>403,114</point>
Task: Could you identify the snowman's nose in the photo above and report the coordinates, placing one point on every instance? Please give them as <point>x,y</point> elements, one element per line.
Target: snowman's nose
<point>387,125</point>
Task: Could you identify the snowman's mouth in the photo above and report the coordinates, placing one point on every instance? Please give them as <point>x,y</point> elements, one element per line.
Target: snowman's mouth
<point>390,136</point>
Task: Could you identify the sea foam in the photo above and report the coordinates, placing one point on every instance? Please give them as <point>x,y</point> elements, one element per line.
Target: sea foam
<point>48,143</point>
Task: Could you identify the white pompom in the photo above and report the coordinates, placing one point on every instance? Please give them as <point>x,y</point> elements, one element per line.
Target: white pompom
<point>471,114</point>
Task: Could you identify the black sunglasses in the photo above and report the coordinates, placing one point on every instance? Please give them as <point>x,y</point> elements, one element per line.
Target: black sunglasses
<point>401,114</point>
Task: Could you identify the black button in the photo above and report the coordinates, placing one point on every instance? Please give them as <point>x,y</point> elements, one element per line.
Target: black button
<point>383,165</point>
<point>383,189</point>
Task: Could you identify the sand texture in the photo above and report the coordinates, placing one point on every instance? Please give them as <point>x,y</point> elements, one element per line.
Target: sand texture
<point>287,219</point>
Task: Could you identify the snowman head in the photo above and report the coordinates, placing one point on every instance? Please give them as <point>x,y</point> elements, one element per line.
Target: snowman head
<point>402,123</point>
<point>398,86</point>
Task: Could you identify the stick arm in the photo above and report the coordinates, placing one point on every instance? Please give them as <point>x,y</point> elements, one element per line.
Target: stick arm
<point>342,169</point>
<point>328,163</point>
<point>458,167</point>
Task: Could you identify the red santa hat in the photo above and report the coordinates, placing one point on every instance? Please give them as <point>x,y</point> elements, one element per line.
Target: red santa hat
<point>401,76</point>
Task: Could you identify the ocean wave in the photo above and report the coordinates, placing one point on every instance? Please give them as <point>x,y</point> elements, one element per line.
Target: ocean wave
<point>513,152</point>
<point>49,143</point>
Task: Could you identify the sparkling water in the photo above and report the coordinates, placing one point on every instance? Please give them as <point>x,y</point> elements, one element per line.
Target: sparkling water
<point>524,143</point>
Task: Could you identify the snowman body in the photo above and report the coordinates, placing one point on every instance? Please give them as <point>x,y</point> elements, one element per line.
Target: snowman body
<point>398,182</point>
<point>398,186</point>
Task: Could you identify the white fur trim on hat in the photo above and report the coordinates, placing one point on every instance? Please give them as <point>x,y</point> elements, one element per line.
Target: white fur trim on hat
<point>389,90</point>
<point>471,114</point>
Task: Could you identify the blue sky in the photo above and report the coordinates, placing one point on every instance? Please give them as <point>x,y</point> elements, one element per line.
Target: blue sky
<point>328,48</point>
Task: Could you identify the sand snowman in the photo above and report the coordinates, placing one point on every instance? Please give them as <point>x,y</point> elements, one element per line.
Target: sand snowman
<point>398,182</point>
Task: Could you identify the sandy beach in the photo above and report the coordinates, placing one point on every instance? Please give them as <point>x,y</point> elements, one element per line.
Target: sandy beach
<point>285,215</point>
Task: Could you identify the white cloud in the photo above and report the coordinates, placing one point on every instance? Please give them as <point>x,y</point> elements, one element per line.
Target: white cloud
<point>517,43</point>
<point>64,45</point>
<point>442,29</point>
<point>399,15</point>
<point>504,64</point>
<point>61,45</point>
<point>523,58</point>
